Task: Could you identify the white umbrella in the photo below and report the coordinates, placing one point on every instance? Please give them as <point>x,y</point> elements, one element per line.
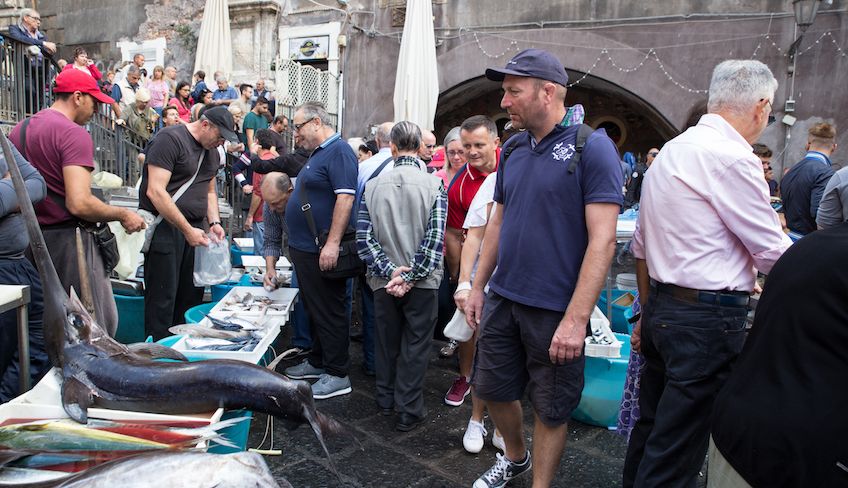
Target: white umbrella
<point>214,46</point>
<point>417,82</point>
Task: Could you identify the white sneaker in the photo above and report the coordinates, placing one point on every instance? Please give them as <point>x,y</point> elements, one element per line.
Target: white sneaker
<point>497,441</point>
<point>472,441</point>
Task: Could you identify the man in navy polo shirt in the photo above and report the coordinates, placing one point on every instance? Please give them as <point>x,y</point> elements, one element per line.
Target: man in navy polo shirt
<point>552,237</point>
<point>329,178</point>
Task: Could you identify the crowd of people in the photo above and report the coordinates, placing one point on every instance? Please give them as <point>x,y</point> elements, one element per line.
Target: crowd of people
<point>516,233</point>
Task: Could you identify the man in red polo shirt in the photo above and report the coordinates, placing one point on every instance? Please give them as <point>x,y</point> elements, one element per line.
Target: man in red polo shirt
<point>479,136</point>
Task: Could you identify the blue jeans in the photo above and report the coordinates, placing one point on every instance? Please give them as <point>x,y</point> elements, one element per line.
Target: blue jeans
<point>21,272</point>
<point>258,237</point>
<point>301,336</point>
<point>689,350</point>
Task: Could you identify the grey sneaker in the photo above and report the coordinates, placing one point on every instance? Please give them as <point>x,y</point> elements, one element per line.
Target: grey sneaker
<point>303,371</point>
<point>504,470</point>
<point>329,386</point>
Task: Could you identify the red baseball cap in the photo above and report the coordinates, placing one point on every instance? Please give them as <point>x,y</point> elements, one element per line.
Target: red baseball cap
<point>73,80</point>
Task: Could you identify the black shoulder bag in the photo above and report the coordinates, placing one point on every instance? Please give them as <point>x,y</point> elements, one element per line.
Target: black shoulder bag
<point>100,232</point>
<point>348,265</point>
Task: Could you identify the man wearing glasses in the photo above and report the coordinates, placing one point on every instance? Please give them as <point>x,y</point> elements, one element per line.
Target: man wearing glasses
<point>428,145</point>
<point>328,182</point>
<point>705,228</point>
<point>27,32</point>
<point>184,159</point>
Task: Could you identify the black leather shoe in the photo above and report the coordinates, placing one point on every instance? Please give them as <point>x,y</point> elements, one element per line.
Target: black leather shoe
<point>407,422</point>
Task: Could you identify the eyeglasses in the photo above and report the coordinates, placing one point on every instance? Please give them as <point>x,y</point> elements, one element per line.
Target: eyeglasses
<point>771,117</point>
<point>456,153</point>
<point>37,19</point>
<point>299,126</point>
<point>430,146</point>
<point>767,168</point>
<point>654,154</point>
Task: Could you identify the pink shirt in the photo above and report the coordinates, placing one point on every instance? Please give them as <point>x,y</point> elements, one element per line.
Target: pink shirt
<point>705,221</point>
<point>158,93</point>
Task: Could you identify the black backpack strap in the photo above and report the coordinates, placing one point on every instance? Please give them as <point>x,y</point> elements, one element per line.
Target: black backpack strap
<point>379,169</point>
<point>583,133</point>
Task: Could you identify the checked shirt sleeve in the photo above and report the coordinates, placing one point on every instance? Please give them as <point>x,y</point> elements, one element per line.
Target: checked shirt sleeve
<point>431,249</point>
<point>369,249</point>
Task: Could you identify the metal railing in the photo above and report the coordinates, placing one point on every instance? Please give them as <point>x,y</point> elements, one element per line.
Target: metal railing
<point>26,86</point>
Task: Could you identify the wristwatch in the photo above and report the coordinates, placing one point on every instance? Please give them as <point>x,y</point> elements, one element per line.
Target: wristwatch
<point>214,223</point>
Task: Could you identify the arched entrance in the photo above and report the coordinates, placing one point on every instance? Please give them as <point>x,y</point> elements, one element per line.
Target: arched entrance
<point>631,122</point>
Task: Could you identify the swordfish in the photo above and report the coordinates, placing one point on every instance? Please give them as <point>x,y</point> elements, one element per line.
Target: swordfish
<point>99,371</point>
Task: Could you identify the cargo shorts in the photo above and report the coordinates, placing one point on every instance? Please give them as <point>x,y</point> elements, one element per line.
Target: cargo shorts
<point>512,354</point>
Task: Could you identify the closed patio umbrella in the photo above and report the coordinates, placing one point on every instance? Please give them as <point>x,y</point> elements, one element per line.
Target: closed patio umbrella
<point>214,45</point>
<point>417,81</point>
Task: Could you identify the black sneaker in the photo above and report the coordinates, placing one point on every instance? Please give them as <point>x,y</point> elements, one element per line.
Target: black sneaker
<point>504,470</point>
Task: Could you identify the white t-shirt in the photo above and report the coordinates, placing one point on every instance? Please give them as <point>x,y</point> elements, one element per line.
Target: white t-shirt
<point>477,216</point>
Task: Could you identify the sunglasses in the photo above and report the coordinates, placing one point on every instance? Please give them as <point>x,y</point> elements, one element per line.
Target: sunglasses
<point>654,154</point>
<point>430,146</point>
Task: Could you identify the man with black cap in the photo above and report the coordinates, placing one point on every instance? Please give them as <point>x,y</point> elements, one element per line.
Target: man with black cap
<point>178,186</point>
<point>546,283</point>
<point>56,143</point>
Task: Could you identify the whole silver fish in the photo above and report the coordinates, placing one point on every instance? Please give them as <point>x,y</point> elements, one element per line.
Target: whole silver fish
<point>195,330</point>
<point>184,469</point>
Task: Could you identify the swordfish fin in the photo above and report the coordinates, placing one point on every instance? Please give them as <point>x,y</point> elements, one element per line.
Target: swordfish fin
<point>76,398</point>
<point>152,350</point>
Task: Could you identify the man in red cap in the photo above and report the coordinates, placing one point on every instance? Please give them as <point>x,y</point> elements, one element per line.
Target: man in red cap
<point>55,142</point>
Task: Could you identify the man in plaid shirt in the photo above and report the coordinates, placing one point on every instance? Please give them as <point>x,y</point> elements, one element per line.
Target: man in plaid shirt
<point>400,235</point>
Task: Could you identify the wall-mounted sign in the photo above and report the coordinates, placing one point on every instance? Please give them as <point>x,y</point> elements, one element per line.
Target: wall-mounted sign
<point>306,48</point>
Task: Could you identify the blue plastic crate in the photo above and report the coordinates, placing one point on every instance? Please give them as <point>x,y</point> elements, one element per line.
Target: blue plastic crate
<point>130,319</point>
<point>237,434</point>
<point>618,322</point>
<point>604,385</point>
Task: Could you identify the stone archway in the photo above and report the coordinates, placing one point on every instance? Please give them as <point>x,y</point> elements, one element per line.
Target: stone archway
<point>644,104</point>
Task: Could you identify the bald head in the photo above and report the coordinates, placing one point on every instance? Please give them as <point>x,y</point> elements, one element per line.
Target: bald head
<point>384,134</point>
<point>428,144</point>
<point>276,190</point>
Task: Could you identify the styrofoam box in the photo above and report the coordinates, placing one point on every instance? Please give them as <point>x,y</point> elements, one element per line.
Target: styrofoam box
<point>44,401</point>
<point>284,296</point>
<point>258,262</point>
<point>244,243</point>
<point>603,350</point>
<point>271,331</point>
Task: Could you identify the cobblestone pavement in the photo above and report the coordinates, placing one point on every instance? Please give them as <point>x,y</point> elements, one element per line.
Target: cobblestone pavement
<point>430,456</point>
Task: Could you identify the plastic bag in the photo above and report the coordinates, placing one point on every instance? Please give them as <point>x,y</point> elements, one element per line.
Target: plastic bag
<point>212,264</point>
<point>129,247</point>
<point>458,329</point>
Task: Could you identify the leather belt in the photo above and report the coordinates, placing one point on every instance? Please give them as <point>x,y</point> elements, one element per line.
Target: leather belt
<point>724,298</point>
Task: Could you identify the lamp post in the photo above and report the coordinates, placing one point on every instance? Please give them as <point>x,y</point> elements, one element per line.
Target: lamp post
<point>805,15</point>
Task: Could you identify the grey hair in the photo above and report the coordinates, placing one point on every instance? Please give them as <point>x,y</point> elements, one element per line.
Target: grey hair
<point>737,85</point>
<point>221,78</point>
<point>133,70</point>
<point>315,109</point>
<point>453,135</point>
<point>26,13</point>
<point>384,134</point>
<point>282,183</point>
<point>406,136</point>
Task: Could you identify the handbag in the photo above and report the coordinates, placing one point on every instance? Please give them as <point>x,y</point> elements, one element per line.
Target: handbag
<point>348,265</point>
<point>105,241</point>
<point>153,222</point>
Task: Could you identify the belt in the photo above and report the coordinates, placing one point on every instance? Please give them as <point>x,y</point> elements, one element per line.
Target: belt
<point>724,298</point>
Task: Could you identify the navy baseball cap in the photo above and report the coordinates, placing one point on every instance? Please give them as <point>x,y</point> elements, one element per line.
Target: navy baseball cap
<point>533,63</point>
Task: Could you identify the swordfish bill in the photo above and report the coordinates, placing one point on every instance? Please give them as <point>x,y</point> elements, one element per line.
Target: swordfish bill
<point>99,371</point>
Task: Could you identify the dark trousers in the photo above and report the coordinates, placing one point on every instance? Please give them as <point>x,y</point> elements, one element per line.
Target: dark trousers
<point>21,272</point>
<point>300,322</point>
<point>325,304</point>
<point>168,281</point>
<point>367,308</point>
<point>62,244</point>
<point>689,349</point>
<point>404,329</point>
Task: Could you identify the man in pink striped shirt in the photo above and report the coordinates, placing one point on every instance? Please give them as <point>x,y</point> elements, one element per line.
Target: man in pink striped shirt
<point>705,227</point>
